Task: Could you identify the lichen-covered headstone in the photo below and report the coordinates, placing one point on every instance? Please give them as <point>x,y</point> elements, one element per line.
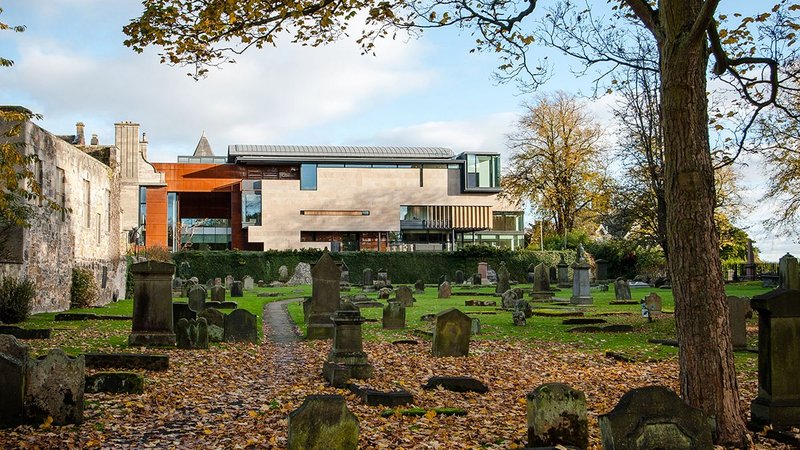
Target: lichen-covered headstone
<point>191,334</point>
<point>347,358</point>
<point>54,388</point>
<point>476,326</point>
<point>384,293</point>
<point>394,316</point>
<point>557,416</point>
<point>445,290</point>
<point>654,417</point>
<point>240,326</point>
<point>13,363</point>
<point>283,274</point>
<point>217,294</point>
<point>216,323</point>
<point>622,290</point>
<point>540,289</point>
<point>451,334</point>
<point>247,283</point>
<point>509,299</point>
<point>519,318</point>
<point>323,422</point>
<point>503,279</point>
<point>237,289</point>
<point>653,303</point>
<point>197,298</point>
<point>788,275</point>
<point>404,296</point>
<point>324,297</point>
<point>302,275</point>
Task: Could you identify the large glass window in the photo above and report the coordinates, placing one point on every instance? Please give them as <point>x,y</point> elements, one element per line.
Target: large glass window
<point>172,221</point>
<point>308,177</point>
<point>483,171</point>
<point>508,221</point>
<point>142,213</point>
<point>211,234</point>
<point>413,212</point>
<point>251,203</point>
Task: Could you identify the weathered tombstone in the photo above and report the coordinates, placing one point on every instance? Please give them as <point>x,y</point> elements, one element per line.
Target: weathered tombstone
<point>509,298</point>
<point>217,281</point>
<point>210,283</point>
<point>419,287</point>
<point>344,279</point>
<point>197,298</point>
<point>302,275</point>
<point>540,289</point>
<point>216,323</point>
<point>347,358</point>
<point>383,275</point>
<point>476,279</point>
<point>580,280</point>
<point>519,318</point>
<point>491,276</point>
<point>451,333</point>
<point>503,279</point>
<point>653,302</point>
<point>525,307</point>
<point>283,274</point>
<point>247,283</point>
<point>54,386</point>
<point>788,273</point>
<point>531,268</point>
<point>483,271</point>
<point>563,273</point>
<point>445,290</point>
<point>394,316</point>
<point>323,422</point>
<point>475,327</point>
<point>384,293</point>
<point>366,277</point>
<point>404,296</point>
<point>240,326</point>
<point>192,333</point>
<point>750,266</point>
<point>459,277</point>
<point>181,311</point>
<point>237,289</point>
<point>228,281</point>
<point>13,363</point>
<point>778,401</point>
<point>177,283</point>
<point>152,304</point>
<point>601,270</point>
<point>738,309</point>
<point>557,416</point>
<point>622,290</point>
<point>654,417</point>
<point>324,297</point>
<point>553,273</point>
<point>442,279</point>
<point>217,294</point>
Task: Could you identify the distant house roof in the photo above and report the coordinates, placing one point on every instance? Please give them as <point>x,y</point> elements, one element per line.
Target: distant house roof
<point>203,147</point>
<point>255,153</point>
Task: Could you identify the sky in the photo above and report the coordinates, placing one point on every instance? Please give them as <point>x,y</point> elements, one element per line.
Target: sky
<point>71,66</point>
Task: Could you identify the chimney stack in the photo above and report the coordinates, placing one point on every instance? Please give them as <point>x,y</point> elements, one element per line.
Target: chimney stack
<point>95,141</point>
<point>79,133</point>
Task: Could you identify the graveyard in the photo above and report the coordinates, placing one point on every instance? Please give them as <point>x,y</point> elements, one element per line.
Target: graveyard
<point>428,365</point>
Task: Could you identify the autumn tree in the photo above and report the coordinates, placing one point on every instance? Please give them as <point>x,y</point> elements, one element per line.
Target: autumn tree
<point>557,161</point>
<point>201,33</point>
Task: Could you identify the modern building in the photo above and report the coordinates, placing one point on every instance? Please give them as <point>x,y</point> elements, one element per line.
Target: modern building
<point>345,198</point>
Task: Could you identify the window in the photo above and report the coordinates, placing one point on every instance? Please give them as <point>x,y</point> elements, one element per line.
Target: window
<point>87,206</point>
<point>333,212</point>
<point>98,227</point>
<point>108,211</point>
<point>308,177</point>
<point>413,212</point>
<point>172,222</point>
<point>142,213</point>
<point>61,192</point>
<point>38,171</point>
<point>508,221</point>
<point>483,171</point>
<point>251,203</point>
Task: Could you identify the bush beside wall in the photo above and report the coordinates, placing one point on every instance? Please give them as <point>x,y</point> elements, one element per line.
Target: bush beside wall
<point>16,297</point>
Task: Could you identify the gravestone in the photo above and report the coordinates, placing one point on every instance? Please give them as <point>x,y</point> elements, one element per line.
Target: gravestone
<point>181,311</point>
<point>525,307</point>
<point>323,422</point>
<point>218,294</point>
<point>197,298</point>
<point>347,358</point>
<point>366,277</point>
<point>54,386</point>
<point>581,294</point>
<point>228,282</point>
<point>384,293</point>
<point>445,290</point>
<point>503,279</point>
<point>563,273</point>
<point>622,290</point>
<point>344,279</point>
<point>788,275</point>
<point>557,416</point>
<point>653,303</point>
<point>519,318</point>
<point>283,274</point>
<point>531,268</point>
<point>419,287</point>
<point>404,296</point>
<point>475,327</point>
<point>216,323</point>
<point>237,289</point>
<point>152,304</point>
<point>247,283</point>
<point>601,270</point>
<point>324,297</point>
<point>654,417</point>
<point>540,289</point>
<point>509,299</point>
<point>240,326</point>
<point>191,334</point>
<point>778,401</point>
<point>459,277</point>
<point>491,276</point>
<point>383,275</point>
<point>553,273</point>
<point>476,279</point>
<point>217,281</point>
<point>302,275</point>
<point>177,283</point>
<point>13,362</point>
<point>738,309</point>
<point>483,271</point>
<point>442,279</point>
<point>394,316</point>
<point>451,333</point>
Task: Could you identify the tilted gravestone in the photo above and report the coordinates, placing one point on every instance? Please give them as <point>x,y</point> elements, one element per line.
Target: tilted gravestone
<point>54,388</point>
<point>459,277</point>
<point>192,333</point>
<point>216,323</point>
<point>237,289</point>
<point>302,275</point>
<point>451,334</point>
<point>445,290</point>
<point>323,422</point>
<point>622,290</point>
<point>557,416</point>
<point>152,304</point>
<point>778,401</point>
<point>240,326</point>
<point>324,297</point>
<point>654,417</point>
<point>404,296</point>
<point>419,287</point>
<point>738,310</point>
<point>347,358</point>
<point>13,362</point>
<point>197,298</point>
<point>540,289</point>
<point>384,293</point>
<point>442,279</point>
<point>519,318</point>
<point>283,274</point>
<point>217,294</point>
<point>503,279</point>
<point>394,316</point>
<point>247,283</point>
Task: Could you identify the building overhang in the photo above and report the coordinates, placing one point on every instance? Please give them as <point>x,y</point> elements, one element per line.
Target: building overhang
<point>286,160</point>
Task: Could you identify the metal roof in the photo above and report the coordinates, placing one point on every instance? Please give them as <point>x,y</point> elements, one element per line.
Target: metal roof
<point>324,152</point>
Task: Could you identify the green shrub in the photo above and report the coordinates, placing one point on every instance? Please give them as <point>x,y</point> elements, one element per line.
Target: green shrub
<point>84,291</point>
<point>15,299</point>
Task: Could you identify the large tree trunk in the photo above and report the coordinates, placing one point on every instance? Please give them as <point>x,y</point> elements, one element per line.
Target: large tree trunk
<point>707,374</point>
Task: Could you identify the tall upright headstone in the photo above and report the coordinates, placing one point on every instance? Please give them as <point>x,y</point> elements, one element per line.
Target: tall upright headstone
<point>459,277</point>
<point>404,296</point>
<point>503,279</point>
<point>738,309</point>
<point>325,298</point>
<point>13,364</point>
<point>563,273</point>
<point>347,358</point>
<point>217,294</point>
<point>248,283</point>
<point>788,272</point>
<point>152,304</point>
<point>419,287</point>
<point>228,281</point>
<point>323,422</point>
<point>540,287</point>
<point>366,277</point>
<point>444,290</point>
<point>622,290</point>
<point>283,274</point>
<point>557,416</point>
<point>451,333</point>
<point>237,289</point>
<point>197,298</point>
<point>601,270</point>
<point>483,271</point>
<point>750,266</point>
<point>778,401</point>
<point>394,316</point>
<point>581,295</point>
